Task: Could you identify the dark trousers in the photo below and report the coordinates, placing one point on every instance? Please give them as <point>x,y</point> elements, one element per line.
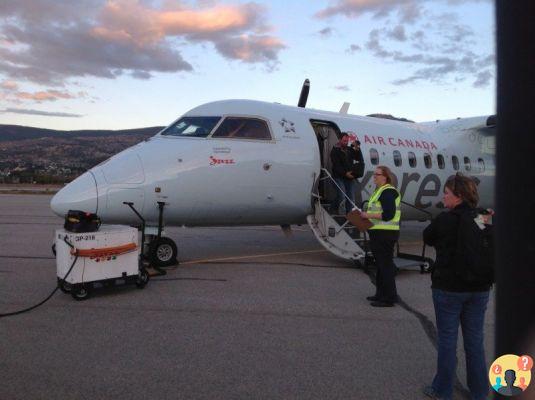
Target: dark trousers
<point>382,245</point>
<point>468,310</point>
<point>348,186</point>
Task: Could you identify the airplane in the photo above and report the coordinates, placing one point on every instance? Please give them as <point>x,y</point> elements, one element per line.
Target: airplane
<point>245,162</point>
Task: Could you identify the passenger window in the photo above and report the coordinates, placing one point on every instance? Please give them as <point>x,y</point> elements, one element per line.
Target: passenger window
<point>427,160</point>
<point>467,164</point>
<point>374,156</point>
<point>455,162</point>
<point>481,164</point>
<point>192,127</point>
<point>440,161</point>
<point>412,159</point>
<point>243,128</point>
<point>397,158</point>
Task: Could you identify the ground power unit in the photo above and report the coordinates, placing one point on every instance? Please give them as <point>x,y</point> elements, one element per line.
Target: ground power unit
<point>102,258</point>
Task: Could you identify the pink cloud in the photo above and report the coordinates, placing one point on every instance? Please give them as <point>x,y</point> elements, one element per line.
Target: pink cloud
<point>353,8</point>
<point>121,20</point>
<point>9,85</point>
<point>250,48</point>
<point>48,95</point>
<point>55,41</point>
<point>226,26</point>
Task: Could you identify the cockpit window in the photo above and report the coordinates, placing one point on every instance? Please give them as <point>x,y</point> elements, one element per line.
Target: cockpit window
<point>243,128</point>
<point>192,127</point>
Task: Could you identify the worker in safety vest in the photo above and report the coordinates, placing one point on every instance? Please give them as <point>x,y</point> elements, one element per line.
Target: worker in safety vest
<point>384,212</point>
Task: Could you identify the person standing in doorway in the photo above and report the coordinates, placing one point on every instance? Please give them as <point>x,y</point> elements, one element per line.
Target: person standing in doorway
<point>342,161</point>
<point>385,213</point>
<point>358,171</point>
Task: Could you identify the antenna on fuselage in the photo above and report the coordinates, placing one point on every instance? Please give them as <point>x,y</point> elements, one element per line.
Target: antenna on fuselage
<point>304,94</point>
<point>345,108</point>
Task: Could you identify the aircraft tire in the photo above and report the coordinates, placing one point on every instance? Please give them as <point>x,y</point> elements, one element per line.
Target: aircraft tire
<point>163,252</point>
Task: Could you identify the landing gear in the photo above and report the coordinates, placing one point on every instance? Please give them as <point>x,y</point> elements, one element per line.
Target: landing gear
<point>158,250</point>
<point>162,252</point>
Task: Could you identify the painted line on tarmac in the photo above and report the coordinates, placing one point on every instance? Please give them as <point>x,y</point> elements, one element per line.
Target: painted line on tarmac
<point>30,216</point>
<point>188,279</point>
<point>289,253</point>
<point>29,257</point>
<point>30,223</point>
<point>260,228</point>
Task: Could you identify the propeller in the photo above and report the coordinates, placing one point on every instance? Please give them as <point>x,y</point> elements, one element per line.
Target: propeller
<point>304,94</point>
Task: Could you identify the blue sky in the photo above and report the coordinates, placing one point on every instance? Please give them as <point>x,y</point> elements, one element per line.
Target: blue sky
<point>117,64</point>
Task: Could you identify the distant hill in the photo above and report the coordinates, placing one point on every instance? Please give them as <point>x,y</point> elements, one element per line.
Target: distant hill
<point>40,155</point>
<point>17,132</point>
<point>388,116</point>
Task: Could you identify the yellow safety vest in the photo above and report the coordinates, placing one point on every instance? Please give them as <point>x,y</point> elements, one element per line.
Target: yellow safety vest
<point>374,206</point>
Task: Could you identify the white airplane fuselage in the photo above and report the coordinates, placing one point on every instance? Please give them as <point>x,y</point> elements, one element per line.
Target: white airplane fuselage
<point>227,181</point>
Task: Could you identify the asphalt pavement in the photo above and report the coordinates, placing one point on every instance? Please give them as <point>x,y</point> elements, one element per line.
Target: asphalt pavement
<point>248,314</point>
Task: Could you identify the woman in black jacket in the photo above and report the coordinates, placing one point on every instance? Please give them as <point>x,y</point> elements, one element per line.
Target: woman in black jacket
<point>456,301</point>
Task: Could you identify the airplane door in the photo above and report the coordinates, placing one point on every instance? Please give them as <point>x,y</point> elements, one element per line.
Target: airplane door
<point>327,134</point>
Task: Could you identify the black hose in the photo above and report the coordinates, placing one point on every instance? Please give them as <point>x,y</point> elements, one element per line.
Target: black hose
<point>50,295</point>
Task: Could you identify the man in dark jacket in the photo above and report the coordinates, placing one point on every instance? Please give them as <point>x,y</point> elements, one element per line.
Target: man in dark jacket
<point>358,171</point>
<point>342,158</point>
<point>358,160</point>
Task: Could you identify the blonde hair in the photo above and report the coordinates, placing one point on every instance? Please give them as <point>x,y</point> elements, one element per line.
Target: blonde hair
<point>386,173</point>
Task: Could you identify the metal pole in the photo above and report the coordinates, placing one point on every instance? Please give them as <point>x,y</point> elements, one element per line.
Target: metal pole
<point>161,205</point>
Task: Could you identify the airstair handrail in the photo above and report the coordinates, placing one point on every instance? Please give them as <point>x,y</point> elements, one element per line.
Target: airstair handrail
<point>430,215</point>
<point>341,190</point>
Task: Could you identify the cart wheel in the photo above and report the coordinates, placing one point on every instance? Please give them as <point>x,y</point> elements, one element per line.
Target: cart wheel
<point>64,286</point>
<point>142,278</point>
<point>163,252</point>
<point>80,292</point>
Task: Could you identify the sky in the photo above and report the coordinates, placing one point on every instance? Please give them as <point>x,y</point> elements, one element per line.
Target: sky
<point>120,64</point>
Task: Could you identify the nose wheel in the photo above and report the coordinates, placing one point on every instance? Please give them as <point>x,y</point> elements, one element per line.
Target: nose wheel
<point>160,251</point>
<point>163,252</point>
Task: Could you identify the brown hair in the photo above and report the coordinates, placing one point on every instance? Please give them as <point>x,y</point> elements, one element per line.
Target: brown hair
<point>463,187</point>
<point>386,173</point>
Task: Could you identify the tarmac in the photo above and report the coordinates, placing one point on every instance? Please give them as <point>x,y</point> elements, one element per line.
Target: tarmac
<point>247,314</point>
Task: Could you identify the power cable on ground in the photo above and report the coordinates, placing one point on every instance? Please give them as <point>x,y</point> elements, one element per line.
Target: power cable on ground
<point>50,295</point>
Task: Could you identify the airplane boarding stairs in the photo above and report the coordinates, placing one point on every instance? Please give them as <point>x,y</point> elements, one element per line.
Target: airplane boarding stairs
<point>335,237</point>
<point>336,234</point>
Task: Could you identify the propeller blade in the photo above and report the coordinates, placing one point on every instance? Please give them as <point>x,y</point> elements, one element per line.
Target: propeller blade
<point>304,94</point>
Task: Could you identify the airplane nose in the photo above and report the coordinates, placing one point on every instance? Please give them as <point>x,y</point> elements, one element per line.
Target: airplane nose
<point>80,194</point>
